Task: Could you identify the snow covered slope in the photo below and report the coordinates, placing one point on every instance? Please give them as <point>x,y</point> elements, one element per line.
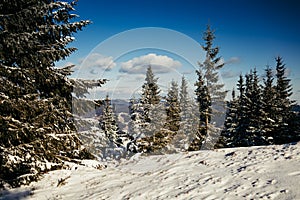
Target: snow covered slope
<point>271,172</point>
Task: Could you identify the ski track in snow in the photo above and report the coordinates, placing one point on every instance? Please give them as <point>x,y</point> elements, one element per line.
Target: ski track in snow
<point>268,172</point>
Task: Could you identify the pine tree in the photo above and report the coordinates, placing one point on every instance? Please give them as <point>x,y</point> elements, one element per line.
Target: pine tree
<point>210,66</point>
<point>108,121</point>
<point>215,92</point>
<point>238,139</point>
<point>254,109</point>
<point>231,123</point>
<point>135,125</point>
<point>108,124</point>
<point>184,99</point>
<point>284,114</point>
<point>268,106</point>
<point>249,113</point>
<point>204,107</point>
<point>263,113</point>
<point>173,108</point>
<point>188,119</point>
<point>153,115</point>
<point>150,89</point>
<point>150,101</point>
<point>36,126</point>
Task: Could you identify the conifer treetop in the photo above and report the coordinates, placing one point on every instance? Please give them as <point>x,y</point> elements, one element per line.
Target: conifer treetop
<point>150,89</point>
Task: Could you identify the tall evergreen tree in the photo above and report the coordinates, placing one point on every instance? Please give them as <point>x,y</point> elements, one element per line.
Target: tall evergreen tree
<point>136,124</point>
<point>284,113</point>
<point>268,106</point>
<point>153,114</point>
<point>108,121</point>
<point>36,124</point>
<point>184,99</point>
<point>204,107</point>
<point>150,92</point>
<point>231,123</point>
<point>188,119</point>
<point>216,94</point>
<point>210,66</point>
<point>254,109</point>
<point>108,124</point>
<point>173,108</point>
<point>238,139</point>
<point>248,112</point>
<point>150,101</point>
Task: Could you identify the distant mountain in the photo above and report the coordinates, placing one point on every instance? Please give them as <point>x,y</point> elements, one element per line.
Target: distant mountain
<point>120,105</point>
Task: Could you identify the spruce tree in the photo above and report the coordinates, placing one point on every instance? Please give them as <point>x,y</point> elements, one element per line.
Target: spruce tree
<point>36,126</point>
<point>268,106</point>
<point>108,123</point>
<point>188,119</point>
<point>249,112</point>
<point>153,115</point>
<point>216,95</point>
<point>150,101</point>
<point>284,113</point>
<point>135,125</point>
<point>150,89</point>
<point>238,139</point>
<point>254,110</point>
<point>184,99</point>
<point>231,123</point>
<point>204,107</point>
<point>211,65</point>
<point>173,108</point>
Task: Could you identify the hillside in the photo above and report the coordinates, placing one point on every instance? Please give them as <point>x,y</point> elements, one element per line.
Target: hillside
<point>266,172</point>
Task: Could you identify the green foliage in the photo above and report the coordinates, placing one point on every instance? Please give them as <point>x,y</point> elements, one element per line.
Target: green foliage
<point>262,114</point>
<point>285,117</point>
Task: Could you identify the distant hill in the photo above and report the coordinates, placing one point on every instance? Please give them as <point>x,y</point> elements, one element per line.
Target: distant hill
<point>121,105</point>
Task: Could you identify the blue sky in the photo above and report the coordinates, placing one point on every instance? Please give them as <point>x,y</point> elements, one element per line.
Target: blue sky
<point>249,34</point>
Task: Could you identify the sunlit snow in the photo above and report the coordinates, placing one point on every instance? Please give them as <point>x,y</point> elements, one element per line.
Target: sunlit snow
<point>266,172</point>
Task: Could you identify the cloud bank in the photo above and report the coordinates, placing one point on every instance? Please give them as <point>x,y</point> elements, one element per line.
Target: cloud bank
<point>98,61</point>
<point>160,64</point>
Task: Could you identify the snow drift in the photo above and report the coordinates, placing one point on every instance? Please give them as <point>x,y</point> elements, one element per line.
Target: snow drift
<point>266,172</point>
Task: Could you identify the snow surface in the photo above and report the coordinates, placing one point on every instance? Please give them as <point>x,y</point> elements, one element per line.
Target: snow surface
<point>266,172</point>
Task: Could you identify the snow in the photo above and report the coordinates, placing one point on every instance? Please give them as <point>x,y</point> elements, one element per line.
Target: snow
<point>265,172</point>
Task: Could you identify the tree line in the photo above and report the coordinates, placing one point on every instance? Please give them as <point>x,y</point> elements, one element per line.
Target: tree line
<point>261,114</point>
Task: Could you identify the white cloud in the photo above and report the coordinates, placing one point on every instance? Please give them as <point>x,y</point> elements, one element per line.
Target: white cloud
<point>98,61</point>
<point>159,63</point>
<point>233,60</point>
<point>288,72</point>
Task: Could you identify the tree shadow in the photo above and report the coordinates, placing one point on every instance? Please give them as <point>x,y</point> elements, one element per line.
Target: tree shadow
<point>15,195</point>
